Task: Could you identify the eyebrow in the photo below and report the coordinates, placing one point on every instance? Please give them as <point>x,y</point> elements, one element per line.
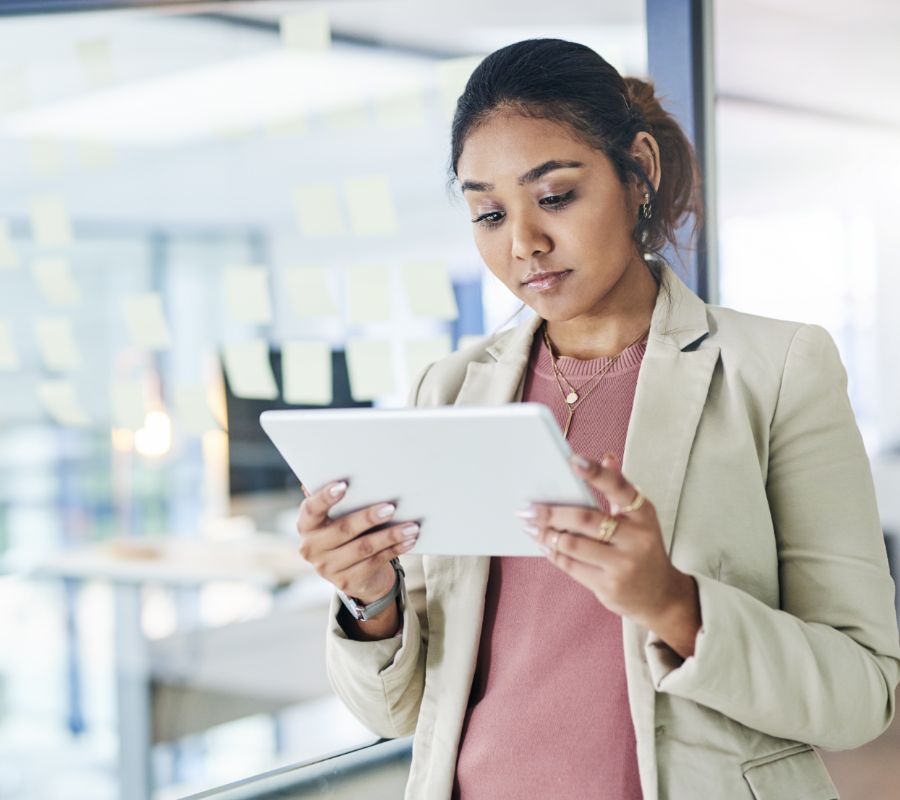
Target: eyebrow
<point>534,174</point>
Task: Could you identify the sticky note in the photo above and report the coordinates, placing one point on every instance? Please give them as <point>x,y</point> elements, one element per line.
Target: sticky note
<point>318,210</point>
<point>306,367</point>
<point>59,399</point>
<point>96,61</point>
<point>9,357</point>
<point>429,290</point>
<point>370,205</point>
<point>308,292</point>
<point>13,90</point>
<point>9,257</point>
<point>307,31</point>
<point>247,294</point>
<point>370,365</point>
<point>50,223</point>
<point>368,294</point>
<point>452,76</point>
<point>249,370</point>
<point>129,409</point>
<point>146,322</point>
<point>56,282</point>
<point>192,410</point>
<point>295,125</point>
<point>469,339</point>
<point>56,343</point>
<point>46,156</point>
<point>405,110</point>
<point>95,154</point>
<point>346,116</point>
<point>420,352</point>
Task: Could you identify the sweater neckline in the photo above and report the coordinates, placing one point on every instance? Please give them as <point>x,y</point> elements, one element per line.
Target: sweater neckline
<point>569,366</point>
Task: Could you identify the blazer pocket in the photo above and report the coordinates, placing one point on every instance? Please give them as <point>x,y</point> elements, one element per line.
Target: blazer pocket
<point>795,773</point>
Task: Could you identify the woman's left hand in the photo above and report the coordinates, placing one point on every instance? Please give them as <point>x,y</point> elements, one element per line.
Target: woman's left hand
<point>631,574</point>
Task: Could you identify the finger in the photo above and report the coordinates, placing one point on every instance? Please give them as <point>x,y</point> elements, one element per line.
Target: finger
<point>368,544</point>
<point>316,543</point>
<point>586,574</point>
<point>315,506</point>
<point>608,479</point>
<point>580,548</point>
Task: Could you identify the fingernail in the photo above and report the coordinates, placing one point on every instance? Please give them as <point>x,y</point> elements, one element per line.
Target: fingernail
<point>410,530</point>
<point>532,531</point>
<point>337,489</point>
<point>581,461</point>
<point>527,513</point>
<point>382,512</point>
<point>544,549</point>
<point>409,544</point>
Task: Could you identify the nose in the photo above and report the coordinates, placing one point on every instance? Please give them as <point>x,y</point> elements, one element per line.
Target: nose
<point>528,240</point>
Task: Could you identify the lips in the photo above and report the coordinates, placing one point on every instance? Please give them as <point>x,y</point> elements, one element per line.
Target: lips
<point>539,276</point>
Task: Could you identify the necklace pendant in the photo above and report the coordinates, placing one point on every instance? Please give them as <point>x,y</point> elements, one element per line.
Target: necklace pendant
<point>571,397</point>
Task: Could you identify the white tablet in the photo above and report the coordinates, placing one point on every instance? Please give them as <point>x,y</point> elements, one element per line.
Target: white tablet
<point>460,471</point>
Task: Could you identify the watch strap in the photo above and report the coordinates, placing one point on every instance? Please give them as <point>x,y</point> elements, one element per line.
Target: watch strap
<point>365,611</point>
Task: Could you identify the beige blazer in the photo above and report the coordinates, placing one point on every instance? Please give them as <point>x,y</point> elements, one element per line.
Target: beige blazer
<point>743,437</point>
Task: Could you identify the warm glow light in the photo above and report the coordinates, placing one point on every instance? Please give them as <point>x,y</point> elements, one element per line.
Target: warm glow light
<point>122,440</point>
<point>155,438</point>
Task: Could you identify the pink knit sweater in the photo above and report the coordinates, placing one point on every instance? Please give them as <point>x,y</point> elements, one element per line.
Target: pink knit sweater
<point>548,714</point>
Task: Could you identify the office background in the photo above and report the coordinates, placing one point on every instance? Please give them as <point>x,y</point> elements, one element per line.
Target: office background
<point>211,209</point>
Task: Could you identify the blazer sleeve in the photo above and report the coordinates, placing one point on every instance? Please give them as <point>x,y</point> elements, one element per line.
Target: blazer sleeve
<point>381,682</point>
<point>823,667</point>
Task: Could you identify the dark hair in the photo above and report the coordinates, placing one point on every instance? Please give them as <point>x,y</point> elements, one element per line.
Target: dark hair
<point>569,83</point>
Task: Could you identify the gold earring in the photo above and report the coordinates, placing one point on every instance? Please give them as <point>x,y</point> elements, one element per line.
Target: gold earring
<point>646,210</point>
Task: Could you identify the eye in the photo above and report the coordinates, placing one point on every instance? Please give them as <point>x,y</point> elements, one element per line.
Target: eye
<point>553,202</point>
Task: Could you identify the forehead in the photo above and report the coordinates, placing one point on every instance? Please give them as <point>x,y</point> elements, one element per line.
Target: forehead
<point>508,144</point>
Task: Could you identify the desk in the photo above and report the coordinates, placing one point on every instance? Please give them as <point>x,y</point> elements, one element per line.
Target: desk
<point>265,560</point>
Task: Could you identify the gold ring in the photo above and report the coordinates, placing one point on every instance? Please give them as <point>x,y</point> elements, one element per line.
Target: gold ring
<point>635,504</point>
<point>607,528</point>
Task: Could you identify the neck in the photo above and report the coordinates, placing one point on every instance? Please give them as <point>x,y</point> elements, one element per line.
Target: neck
<point>625,314</point>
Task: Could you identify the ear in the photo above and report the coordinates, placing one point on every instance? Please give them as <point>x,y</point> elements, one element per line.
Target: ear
<point>645,149</point>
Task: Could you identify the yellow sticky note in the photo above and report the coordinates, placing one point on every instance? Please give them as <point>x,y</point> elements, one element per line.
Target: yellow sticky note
<point>13,90</point>
<point>56,282</point>
<point>146,322</point>
<point>406,110</point>
<point>46,156</point>
<point>306,367</point>
<point>59,399</point>
<point>95,154</point>
<point>370,365</point>
<point>307,31</point>
<point>308,292</point>
<point>249,370</point>
<point>129,409</point>
<point>96,61</point>
<point>318,210</point>
<point>9,257</point>
<point>9,357</point>
<point>57,344</point>
<point>247,294</point>
<point>295,125</point>
<point>420,352</point>
<point>429,290</point>
<point>368,294</point>
<point>346,117</point>
<point>192,410</point>
<point>370,205</point>
<point>470,339</point>
<point>452,76</point>
<point>50,223</point>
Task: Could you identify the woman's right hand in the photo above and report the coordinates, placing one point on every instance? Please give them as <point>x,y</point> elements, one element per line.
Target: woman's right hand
<point>345,551</point>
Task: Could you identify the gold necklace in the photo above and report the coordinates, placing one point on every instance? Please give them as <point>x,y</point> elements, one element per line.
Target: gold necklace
<point>573,398</point>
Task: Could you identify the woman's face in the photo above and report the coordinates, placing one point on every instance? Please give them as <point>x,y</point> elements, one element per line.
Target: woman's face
<point>541,200</point>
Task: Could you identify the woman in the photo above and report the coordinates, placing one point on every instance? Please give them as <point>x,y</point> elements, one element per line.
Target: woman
<point>692,638</point>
